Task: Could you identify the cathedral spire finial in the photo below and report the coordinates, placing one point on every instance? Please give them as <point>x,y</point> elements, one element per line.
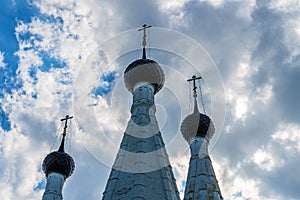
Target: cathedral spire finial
<point>194,78</point>
<point>145,26</point>
<point>57,166</point>
<point>62,145</point>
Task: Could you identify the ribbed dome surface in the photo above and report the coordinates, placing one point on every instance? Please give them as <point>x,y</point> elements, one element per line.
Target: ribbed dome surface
<point>59,162</point>
<point>144,70</point>
<point>197,124</point>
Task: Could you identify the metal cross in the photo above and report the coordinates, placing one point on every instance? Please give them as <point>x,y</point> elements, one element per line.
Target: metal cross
<point>66,123</point>
<point>194,78</point>
<point>145,26</point>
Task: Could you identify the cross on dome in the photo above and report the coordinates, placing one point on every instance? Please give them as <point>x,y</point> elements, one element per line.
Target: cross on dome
<point>66,123</point>
<point>62,145</point>
<point>194,78</point>
<point>144,43</point>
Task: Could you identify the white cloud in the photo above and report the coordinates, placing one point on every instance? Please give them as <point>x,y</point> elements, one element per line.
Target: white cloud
<point>292,38</point>
<point>24,146</point>
<point>249,188</point>
<point>21,158</point>
<point>180,170</point>
<point>251,177</point>
<point>285,6</point>
<point>263,159</point>
<point>237,185</point>
<point>288,135</point>
<point>241,107</point>
<point>238,96</point>
<point>290,15</point>
<point>265,94</point>
<point>231,181</point>
<point>2,64</point>
<point>175,10</point>
<point>172,5</point>
<point>216,3</point>
<point>245,8</point>
<point>73,31</point>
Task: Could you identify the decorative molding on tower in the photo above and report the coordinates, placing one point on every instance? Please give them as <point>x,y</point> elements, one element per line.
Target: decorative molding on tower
<point>55,183</point>
<point>201,180</point>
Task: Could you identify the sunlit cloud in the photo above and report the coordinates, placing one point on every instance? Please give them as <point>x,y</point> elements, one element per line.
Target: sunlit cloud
<point>2,64</point>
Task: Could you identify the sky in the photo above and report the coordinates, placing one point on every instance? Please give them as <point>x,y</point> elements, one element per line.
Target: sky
<point>68,57</point>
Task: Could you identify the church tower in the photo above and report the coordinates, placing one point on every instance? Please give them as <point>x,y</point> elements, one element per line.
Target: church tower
<point>198,129</point>
<point>57,166</point>
<point>142,169</point>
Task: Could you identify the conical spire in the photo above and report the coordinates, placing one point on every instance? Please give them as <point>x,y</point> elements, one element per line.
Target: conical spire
<point>62,145</point>
<point>196,110</point>
<point>197,129</point>
<point>142,169</point>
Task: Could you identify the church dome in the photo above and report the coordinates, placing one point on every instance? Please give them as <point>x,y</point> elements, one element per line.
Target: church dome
<point>197,125</point>
<point>59,162</point>
<point>144,70</point>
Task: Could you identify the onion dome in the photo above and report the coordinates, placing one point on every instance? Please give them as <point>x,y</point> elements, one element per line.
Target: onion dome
<point>59,162</point>
<point>144,70</point>
<point>197,125</point>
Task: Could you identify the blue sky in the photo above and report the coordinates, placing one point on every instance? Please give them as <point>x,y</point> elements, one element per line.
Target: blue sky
<point>46,47</point>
